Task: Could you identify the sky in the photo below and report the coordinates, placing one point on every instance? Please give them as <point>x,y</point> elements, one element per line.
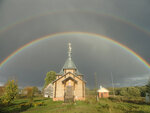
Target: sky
<point>125,21</point>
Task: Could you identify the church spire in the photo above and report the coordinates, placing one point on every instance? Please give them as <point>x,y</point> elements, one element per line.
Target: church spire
<point>69,50</point>
<point>69,64</point>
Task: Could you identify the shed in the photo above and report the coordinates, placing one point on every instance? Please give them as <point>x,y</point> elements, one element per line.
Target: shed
<point>147,98</point>
<point>48,91</point>
<point>103,92</point>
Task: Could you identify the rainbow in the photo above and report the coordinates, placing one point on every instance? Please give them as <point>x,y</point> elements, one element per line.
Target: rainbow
<point>72,33</point>
<point>4,29</point>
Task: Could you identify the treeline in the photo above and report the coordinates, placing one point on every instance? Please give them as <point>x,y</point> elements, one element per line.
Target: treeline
<point>10,91</point>
<point>136,91</point>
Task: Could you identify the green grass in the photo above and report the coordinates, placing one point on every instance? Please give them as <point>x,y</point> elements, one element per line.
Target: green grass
<point>89,106</point>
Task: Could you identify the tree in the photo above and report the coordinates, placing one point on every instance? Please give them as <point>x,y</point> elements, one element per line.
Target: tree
<point>10,91</point>
<point>133,92</point>
<point>130,92</point>
<point>142,90</point>
<point>123,92</point>
<point>35,90</point>
<point>50,76</point>
<point>30,92</point>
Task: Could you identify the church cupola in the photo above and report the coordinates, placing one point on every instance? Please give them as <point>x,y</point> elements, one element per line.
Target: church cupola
<point>69,65</point>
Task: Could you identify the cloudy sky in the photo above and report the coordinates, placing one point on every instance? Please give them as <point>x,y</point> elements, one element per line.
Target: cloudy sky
<point>125,21</point>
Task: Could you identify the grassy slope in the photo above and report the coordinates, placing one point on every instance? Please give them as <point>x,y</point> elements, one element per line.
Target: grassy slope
<point>88,106</point>
<point>79,107</point>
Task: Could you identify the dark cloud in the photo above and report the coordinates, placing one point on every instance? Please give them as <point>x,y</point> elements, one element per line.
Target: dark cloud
<point>90,54</point>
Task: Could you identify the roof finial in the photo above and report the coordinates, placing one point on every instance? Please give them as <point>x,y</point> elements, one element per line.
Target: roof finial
<point>69,50</point>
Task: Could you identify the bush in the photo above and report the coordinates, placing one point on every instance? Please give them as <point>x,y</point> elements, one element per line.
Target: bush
<point>116,99</point>
<point>0,102</point>
<point>24,105</point>
<point>103,107</point>
<point>130,92</point>
<point>127,108</point>
<point>10,92</point>
<point>38,104</point>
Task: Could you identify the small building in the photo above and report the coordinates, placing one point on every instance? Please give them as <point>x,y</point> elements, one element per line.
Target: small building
<point>103,92</point>
<point>147,98</point>
<point>48,91</point>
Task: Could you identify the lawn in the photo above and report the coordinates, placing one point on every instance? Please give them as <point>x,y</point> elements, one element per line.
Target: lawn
<point>88,106</point>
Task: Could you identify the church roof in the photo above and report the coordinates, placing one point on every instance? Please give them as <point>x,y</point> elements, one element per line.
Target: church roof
<point>102,89</point>
<point>69,64</point>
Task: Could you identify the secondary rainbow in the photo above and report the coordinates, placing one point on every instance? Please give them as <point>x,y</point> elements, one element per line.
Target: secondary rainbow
<point>71,33</point>
<point>4,29</point>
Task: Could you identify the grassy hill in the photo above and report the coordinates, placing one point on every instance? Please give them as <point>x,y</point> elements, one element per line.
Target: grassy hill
<point>111,105</point>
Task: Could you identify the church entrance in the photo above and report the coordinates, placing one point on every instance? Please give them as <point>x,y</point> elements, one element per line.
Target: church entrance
<point>69,94</point>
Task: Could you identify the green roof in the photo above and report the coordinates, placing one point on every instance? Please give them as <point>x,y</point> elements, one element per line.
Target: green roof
<point>69,64</point>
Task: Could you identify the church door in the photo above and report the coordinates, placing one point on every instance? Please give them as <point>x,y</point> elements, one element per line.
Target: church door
<point>69,95</point>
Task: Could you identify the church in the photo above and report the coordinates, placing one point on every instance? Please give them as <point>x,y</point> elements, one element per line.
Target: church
<point>69,83</point>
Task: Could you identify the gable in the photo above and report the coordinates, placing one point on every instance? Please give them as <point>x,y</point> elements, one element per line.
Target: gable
<point>69,78</point>
<point>69,74</point>
<point>48,86</point>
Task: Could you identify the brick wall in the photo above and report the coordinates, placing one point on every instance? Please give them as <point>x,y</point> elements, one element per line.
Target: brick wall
<point>103,94</point>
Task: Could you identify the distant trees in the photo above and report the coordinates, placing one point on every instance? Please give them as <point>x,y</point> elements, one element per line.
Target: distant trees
<point>10,91</point>
<point>130,91</point>
<point>30,92</point>
<point>36,90</point>
<point>142,90</point>
<point>123,92</point>
<point>50,76</point>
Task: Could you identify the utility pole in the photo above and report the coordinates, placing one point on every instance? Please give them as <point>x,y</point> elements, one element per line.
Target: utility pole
<point>96,86</point>
<point>112,84</point>
<point>96,83</point>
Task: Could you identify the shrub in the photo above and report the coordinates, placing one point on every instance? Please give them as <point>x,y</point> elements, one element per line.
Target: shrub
<point>25,106</point>
<point>116,99</point>
<point>10,92</point>
<point>38,104</point>
<point>103,107</point>
<point>130,92</point>
<point>127,107</point>
<point>0,101</point>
